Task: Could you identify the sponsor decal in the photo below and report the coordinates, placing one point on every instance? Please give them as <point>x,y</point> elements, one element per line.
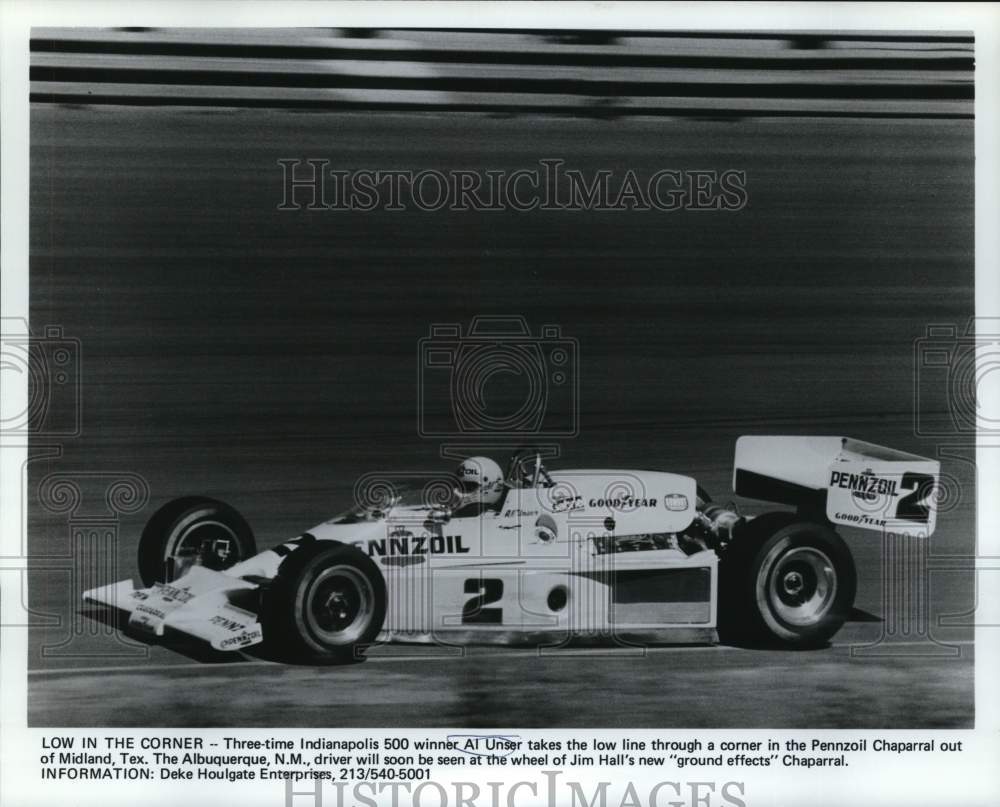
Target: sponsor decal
<point>865,486</point>
<point>517,512</point>
<point>417,545</point>
<point>860,518</point>
<point>627,502</point>
<point>170,593</point>
<point>249,637</point>
<point>227,624</point>
<point>156,613</point>
<point>675,501</point>
<point>562,504</point>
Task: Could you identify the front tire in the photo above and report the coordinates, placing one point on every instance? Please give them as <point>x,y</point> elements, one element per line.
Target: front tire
<point>194,530</point>
<point>326,604</point>
<point>786,582</point>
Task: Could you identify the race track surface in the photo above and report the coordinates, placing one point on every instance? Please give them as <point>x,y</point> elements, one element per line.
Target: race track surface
<point>269,358</point>
<point>683,687</point>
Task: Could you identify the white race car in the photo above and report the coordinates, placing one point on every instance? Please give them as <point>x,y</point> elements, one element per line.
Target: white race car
<point>547,557</point>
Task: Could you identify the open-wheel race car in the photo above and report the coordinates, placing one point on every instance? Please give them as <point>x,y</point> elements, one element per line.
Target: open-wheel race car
<point>535,555</point>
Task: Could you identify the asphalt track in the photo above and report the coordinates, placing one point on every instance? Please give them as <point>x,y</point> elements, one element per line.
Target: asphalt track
<point>269,358</point>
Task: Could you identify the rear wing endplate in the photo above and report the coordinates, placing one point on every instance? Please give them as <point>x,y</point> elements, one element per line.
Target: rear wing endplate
<point>854,483</point>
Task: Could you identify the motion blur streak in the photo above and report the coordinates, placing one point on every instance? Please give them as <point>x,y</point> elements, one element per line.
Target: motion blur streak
<point>595,73</point>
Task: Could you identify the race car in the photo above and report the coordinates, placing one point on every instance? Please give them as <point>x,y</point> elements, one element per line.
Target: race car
<point>532,555</point>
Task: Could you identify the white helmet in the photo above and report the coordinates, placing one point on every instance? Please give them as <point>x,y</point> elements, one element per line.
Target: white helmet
<point>480,480</point>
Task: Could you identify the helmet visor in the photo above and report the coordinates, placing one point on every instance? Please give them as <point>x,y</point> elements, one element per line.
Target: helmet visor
<point>468,485</point>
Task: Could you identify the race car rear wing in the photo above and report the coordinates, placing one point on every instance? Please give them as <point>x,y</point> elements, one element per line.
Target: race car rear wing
<point>854,483</point>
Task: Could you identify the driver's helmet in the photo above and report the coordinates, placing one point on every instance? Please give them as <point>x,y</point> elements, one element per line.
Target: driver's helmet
<point>480,480</point>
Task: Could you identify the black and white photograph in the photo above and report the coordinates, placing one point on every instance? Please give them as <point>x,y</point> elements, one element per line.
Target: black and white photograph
<point>468,376</point>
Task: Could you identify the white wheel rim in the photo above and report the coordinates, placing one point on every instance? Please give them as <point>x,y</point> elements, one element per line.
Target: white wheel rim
<point>801,585</point>
<point>338,605</point>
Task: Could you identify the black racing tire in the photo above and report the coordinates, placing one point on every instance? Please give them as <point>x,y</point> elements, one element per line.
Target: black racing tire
<point>188,527</point>
<point>785,582</point>
<point>326,604</point>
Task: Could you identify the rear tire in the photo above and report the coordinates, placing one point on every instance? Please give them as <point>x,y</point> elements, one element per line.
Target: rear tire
<point>326,605</point>
<point>787,582</point>
<point>194,529</point>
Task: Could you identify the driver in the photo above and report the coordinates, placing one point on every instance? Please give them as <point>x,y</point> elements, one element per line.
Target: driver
<point>480,485</point>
